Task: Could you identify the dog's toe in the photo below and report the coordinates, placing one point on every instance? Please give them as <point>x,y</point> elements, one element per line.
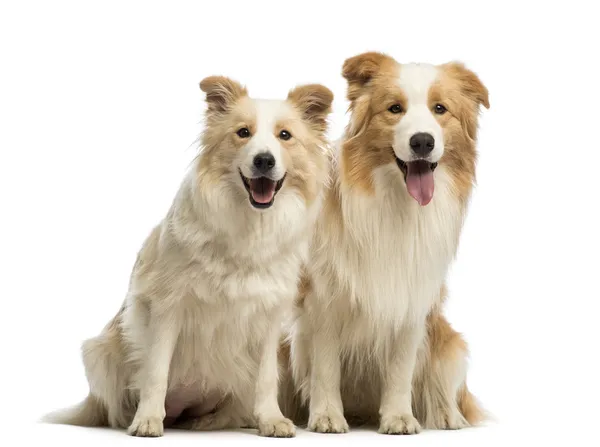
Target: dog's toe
<point>404,424</point>
<point>454,421</point>
<point>149,427</point>
<point>277,428</point>
<point>328,423</point>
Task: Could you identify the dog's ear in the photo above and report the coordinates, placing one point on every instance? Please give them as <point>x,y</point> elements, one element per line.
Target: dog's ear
<point>358,71</point>
<point>470,84</point>
<point>314,102</point>
<point>221,92</point>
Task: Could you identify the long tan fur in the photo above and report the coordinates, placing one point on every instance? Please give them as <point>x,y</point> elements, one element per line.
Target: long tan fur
<point>369,342</point>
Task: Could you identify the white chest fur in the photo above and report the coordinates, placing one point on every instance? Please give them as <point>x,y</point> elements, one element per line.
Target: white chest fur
<point>393,255</point>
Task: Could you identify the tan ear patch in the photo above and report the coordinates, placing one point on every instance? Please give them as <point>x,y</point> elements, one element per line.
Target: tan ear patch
<point>358,70</point>
<point>221,92</point>
<point>314,102</point>
<point>469,82</point>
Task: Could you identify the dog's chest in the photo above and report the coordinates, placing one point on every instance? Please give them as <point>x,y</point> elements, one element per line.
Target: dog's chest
<point>226,320</point>
<point>233,281</point>
<point>398,253</point>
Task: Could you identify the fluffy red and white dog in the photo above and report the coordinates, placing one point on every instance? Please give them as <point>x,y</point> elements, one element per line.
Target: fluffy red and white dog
<point>369,342</point>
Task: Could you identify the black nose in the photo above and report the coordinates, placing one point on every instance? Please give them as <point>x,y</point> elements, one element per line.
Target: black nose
<point>422,143</point>
<point>264,162</point>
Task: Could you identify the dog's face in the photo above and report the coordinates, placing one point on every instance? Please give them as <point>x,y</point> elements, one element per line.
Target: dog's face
<point>266,148</point>
<point>414,115</point>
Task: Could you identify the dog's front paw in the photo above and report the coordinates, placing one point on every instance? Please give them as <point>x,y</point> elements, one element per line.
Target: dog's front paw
<point>404,424</point>
<point>147,427</point>
<point>328,423</point>
<point>276,428</point>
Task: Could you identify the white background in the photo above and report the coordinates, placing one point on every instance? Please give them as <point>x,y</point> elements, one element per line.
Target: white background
<point>99,111</point>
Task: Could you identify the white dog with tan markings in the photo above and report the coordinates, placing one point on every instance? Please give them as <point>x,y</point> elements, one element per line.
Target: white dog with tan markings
<point>195,342</point>
<point>369,342</point>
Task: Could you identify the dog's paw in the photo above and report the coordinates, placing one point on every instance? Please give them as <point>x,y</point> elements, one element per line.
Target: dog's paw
<point>147,427</point>
<point>276,428</point>
<point>454,421</point>
<point>404,424</point>
<point>328,423</point>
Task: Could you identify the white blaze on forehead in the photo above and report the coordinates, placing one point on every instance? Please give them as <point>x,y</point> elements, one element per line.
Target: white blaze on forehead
<point>415,80</point>
<point>267,113</point>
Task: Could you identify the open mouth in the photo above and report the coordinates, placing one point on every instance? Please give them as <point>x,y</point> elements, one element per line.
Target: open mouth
<point>418,176</point>
<point>262,190</point>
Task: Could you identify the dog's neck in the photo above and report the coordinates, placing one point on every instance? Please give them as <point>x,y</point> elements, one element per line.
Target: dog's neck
<point>221,215</point>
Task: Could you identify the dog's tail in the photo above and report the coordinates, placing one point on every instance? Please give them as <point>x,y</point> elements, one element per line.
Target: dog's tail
<point>89,413</point>
<point>469,407</point>
<point>109,402</point>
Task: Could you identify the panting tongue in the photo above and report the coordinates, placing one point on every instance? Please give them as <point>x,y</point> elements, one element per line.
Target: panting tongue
<point>262,189</point>
<point>419,181</point>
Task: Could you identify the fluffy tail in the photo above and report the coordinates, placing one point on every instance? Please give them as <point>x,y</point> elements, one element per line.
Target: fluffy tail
<point>109,402</point>
<point>470,408</point>
<point>89,413</point>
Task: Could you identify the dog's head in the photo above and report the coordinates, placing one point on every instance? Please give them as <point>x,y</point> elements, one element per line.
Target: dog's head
<point>265,149</point>
<point>414,115</point>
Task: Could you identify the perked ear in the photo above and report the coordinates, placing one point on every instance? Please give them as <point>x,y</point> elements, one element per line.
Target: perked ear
<point>359,70</point>
<point>221,92</point>
<point>471,85</point>
<point>314,102</point>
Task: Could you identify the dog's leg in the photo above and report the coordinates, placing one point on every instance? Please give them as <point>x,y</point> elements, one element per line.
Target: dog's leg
<point>267,412</point>
<point>148,421</point>
<point>441,398</point>
<point>396,416</point>
<point>326,408</point>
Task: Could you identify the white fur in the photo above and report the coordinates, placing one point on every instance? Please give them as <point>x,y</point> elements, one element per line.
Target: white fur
<point>200,326</point>
<point>415,81</point>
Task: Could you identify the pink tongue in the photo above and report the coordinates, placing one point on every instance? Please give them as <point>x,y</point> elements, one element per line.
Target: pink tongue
<point>419,181</point>
<point>262,189</point>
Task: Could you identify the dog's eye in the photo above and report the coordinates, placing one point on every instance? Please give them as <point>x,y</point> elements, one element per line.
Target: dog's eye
<point>396,108</point>
<point>243,132</point>
<point>285,135</point>
<point>440,109</point>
